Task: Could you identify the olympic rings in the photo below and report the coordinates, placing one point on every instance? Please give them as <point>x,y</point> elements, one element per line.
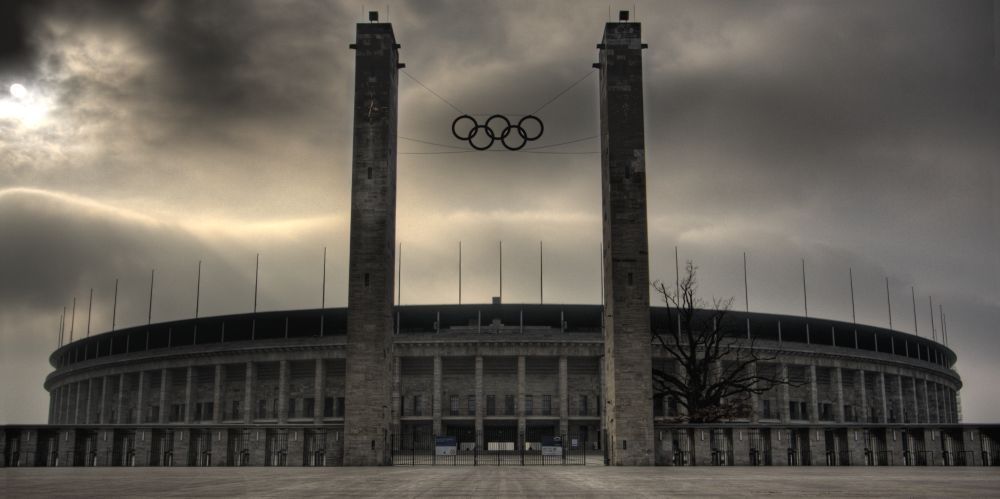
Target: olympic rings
<point>495,131</point>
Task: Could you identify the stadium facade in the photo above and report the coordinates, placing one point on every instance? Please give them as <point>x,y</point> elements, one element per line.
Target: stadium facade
<point>375,383</point>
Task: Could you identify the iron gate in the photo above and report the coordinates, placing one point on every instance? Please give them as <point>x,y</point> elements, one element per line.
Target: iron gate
<point>495,447</point>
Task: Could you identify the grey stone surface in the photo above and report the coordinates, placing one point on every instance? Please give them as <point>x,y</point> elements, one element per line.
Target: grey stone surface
<point>628,419</point>
<point>569,481</point>
<point>373,235</point>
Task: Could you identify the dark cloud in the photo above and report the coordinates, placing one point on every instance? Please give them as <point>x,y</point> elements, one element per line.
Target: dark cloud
<point>854,134</point>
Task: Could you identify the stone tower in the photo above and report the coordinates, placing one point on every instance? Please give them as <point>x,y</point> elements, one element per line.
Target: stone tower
<point>373,236</point>
<point>628,408</point>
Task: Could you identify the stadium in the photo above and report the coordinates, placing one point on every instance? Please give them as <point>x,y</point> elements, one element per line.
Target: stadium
<point>496,383</point>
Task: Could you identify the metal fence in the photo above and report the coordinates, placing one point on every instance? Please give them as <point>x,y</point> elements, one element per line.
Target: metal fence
<point>412,450</point>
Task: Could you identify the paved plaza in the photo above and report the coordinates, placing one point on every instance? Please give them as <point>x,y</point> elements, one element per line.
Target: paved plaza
<point>562,481</point>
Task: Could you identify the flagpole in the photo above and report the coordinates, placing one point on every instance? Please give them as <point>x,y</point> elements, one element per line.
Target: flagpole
<point>72,321</point>
<point>114,307</point>
<point>930,304</point>
<point>913,295</point>
<point>460,272</point>
<point>152,277</point>
<point>322,296</point>
<point>197,293</point>
<point>90,309</point>
<point>888,301</point>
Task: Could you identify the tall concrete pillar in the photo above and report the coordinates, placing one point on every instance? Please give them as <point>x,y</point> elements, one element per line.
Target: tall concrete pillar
<point>140,393</point>
<point>119,400</point>
<point>927,403</point>
<point>901,416</point>
<point>681,374</point>
<point>188,394</point>
<point>79,402</point>
<point>882,394</point>
<point>521,422</point>
<point>563,397</point>
<point>217,409</point>
<point>248,392</point>
<point>862,389</point>
<point>165,382</point>
<point>102,403</point>
<point>754,397</point>
<point>397,405</point>
<point>838,386</point>
<point>480,402</point>
<point>282,415</point>
<point>785,393</point>
<point>627,347</point>
<point>53,402</point>
<point>813,395</point>
<point>319,391</point>
<point>87,402</point>
<point>436,396</point>
<point>372,245</point>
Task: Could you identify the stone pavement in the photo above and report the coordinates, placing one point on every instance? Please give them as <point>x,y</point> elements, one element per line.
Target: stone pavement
<point>537,481</point>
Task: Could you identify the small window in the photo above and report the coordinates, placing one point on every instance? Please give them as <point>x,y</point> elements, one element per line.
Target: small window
<point>236,410</point>
<point>472,405</point>
<point>291,408</point>
<point>453,405</point>
<point>417,406</point>
<point>508,403</point>
<point>309,407</point>
<point>529,405</point>
<point>491,405</point>
<point>340,407</point>
<point>367,280</point>
<point>369,173</point>
<point>630,279</point>
<point>328,407</point>
<point>546,405</point>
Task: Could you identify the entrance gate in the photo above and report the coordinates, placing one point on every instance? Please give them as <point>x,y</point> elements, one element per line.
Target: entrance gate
<point>500,447</point>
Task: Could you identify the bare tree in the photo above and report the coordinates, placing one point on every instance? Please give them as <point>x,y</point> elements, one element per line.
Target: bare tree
<point>717,367</point>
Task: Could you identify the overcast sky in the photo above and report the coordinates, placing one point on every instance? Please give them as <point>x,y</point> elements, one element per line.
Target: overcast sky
<point>153,134</point>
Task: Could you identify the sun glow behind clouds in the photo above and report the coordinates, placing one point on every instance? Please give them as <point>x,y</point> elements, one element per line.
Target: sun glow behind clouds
<point>26,107</point>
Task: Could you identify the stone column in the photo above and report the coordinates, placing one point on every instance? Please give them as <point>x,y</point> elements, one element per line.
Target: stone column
<point>521,422</point>
<point>681,409</point>
<point>864,395</point>
<point>102,416</point>
<point>838,386</point>
<point>87,403</point>
<point>53,406</point>
<point>119,405</point>
<point>480,402</point>
<point>563,397</point>
<point>217,409</point>
<point>370,324</point>
<point>885,402</point>
<point>319,392</point>
<point>248,383</point>
<point>397,406</point>
<point>282,415</point>
<point>165,382</point>
<point>436,396</point>
<point>785,394</point>
<point>140,393</point>
<point>627,349</point>
<point>813,395</point>
<point>927,404</point>
<point>188,394</point>
<point>76,408</point>
<point>754,397</point>
<point>901,405</point>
